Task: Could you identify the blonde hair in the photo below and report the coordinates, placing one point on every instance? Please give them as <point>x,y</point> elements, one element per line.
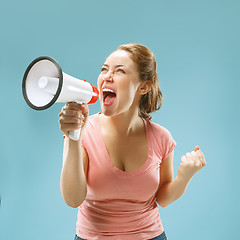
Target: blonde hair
<point>147,68</point>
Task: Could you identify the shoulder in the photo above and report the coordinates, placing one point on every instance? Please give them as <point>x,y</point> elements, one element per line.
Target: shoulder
<point>92,120</point>
<point>93,117</point>
<point>159,130</point>
<point>162,139</point>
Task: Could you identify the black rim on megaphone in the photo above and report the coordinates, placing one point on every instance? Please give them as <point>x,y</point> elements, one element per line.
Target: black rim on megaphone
<point>60,76</point>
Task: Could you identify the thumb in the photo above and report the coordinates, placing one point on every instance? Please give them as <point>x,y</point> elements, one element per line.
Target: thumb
<point>196,148</point>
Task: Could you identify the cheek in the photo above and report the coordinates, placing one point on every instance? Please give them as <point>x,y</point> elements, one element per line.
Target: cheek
<point>129,91</point>
<point>98,79</point>
<point>132,87</point>
<point>99,82</point>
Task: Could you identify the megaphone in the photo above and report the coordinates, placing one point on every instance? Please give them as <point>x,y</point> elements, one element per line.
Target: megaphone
<point>44,83</point>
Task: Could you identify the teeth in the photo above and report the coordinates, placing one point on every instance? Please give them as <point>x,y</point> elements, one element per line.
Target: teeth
<point>107,90</point>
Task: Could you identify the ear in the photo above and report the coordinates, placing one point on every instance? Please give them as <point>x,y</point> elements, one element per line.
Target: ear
<point>144,87</point>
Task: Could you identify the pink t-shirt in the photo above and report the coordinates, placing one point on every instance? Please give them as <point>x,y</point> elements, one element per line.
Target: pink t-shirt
<point>122,205</point>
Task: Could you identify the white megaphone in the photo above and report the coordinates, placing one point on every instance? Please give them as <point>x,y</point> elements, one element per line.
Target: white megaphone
<point>44,83</point>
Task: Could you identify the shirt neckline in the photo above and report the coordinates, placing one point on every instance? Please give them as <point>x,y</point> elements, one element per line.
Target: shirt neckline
<point>118,171</point>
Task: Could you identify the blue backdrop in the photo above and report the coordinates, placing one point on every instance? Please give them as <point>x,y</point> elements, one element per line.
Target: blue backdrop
<point>196,44</point>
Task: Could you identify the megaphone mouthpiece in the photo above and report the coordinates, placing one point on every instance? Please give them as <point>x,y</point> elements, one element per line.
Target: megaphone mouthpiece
<point>49,84</point>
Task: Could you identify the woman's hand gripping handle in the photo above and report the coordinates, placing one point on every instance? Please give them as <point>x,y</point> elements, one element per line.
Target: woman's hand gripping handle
<point>72,119</point>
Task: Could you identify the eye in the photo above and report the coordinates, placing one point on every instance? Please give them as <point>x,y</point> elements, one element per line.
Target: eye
<point>104,69</point>
<point>120,70</point>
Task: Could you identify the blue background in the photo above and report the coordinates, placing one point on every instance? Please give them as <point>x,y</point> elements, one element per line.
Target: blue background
<point>196,44</point>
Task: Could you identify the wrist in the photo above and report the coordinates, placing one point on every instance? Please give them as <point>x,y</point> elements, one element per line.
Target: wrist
<point>70,140</point>
<point>184,179</point>
<point>76,138</point>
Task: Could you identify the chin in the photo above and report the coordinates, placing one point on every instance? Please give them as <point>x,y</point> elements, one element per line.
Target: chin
<point>108,110</point>
<point>107,113</point>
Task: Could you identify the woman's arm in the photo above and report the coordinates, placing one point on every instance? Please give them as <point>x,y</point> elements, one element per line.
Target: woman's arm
<point>73,183</point>
<point>170,190</point>
<point>75,159</point>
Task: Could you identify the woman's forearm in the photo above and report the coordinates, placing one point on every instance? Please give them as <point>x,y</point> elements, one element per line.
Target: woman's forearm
<point>73,181</point>
<point>171,191</point>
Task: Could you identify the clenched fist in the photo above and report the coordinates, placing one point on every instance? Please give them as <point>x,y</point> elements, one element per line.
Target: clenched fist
<point>191,163</point>
<point>73,117</point>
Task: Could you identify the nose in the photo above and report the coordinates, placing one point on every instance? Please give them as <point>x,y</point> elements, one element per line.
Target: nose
<point>108,76</point>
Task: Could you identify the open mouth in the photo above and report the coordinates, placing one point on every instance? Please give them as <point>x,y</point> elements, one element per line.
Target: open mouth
<point>109,96</point>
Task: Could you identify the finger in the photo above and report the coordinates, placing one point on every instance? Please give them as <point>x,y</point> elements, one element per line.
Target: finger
<point>196,148</point>
<point>202,158</point>
<point>67,119</point>
<point>195,159</point>
<point>189,156</point>
<point>184,159</point>
<point>70,126</point>
<point>194,156</point>
<point>199,155</point>
<point>73,113</point>
<point>204,164</point>
<point>73,106</point>
<point>199,159</point>
<point>85,109</point>
<point>61,113</point>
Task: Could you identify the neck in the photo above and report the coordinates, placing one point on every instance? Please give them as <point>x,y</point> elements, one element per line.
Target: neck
<point>124,124</point>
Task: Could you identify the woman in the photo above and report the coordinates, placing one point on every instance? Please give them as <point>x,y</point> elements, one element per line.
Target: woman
<point>122,166</point>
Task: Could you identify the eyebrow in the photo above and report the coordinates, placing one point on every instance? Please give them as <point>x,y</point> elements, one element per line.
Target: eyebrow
<point>115,65</point>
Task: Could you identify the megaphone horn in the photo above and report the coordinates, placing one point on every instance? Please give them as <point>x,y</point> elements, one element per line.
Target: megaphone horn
<point>44,83</point>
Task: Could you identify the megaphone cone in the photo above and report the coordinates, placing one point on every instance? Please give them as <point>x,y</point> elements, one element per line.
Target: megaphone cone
<point>44,83</point>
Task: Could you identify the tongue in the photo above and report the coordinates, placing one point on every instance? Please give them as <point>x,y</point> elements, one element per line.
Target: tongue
<point>109,99</point>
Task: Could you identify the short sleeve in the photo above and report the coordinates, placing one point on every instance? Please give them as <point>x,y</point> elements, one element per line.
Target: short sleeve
<point>163,141</point>
<point>170,144</point>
